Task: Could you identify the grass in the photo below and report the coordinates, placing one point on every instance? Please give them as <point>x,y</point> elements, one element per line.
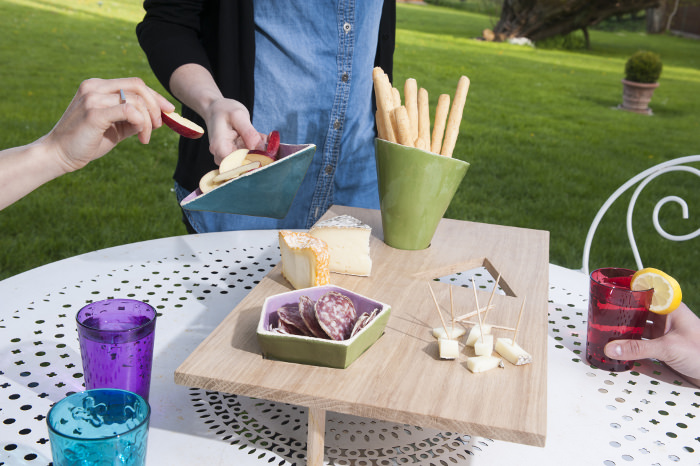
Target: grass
<point>546,145</point>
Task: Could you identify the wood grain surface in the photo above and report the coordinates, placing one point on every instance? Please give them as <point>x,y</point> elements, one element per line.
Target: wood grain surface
<point>401,378</point>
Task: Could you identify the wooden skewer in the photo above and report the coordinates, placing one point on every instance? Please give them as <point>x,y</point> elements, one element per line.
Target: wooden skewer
<point>443,107</point>
<point>493,292</point>
<point>481,324</point>
<point>520,315</point>
<point>410,95</point>
<point>500,327</point>
<point>437,306</point>
<point>470,314</point>
<point>455,117</point>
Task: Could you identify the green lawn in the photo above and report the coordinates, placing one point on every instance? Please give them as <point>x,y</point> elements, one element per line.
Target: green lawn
<point>546,145</point>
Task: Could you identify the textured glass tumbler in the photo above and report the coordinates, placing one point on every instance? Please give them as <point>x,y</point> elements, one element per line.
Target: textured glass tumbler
<point>102,427</point>
<point>615,312</point>
<point>116,344</point>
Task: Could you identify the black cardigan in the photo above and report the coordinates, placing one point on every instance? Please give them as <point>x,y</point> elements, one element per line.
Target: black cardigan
<point>220,36</point>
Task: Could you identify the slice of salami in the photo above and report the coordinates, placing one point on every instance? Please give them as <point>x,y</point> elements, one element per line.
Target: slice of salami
<point>359,324</point>
<point>288,329</point>
<point>289,314</point>
<point>336,315</point>
<point>308,315</point>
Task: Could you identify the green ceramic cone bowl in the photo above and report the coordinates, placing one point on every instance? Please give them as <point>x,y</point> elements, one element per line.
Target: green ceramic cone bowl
<point>415,189</point>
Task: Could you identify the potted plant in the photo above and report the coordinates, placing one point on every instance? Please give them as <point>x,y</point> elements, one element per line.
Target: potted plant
<point>642,72</point>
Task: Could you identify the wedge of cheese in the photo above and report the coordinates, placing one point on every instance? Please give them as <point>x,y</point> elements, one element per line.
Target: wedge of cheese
<point>304,259</point>
<point>348,241</point>
<point>483,363</point>
<point>512,352</point>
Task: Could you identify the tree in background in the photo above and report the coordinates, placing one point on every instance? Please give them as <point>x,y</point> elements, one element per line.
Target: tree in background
<point>540,19</point>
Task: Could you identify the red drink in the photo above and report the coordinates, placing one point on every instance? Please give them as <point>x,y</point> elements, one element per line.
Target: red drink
<point>615,312</point>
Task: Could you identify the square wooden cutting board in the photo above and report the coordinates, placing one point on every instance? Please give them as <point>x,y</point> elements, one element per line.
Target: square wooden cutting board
<point>401,378</point>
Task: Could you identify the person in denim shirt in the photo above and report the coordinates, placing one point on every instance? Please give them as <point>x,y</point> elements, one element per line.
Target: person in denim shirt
<point>245,68</point>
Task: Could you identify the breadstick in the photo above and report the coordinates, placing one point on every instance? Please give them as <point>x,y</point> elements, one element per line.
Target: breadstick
<point>404,126</point>
<point>384,101</point>
<point>423,117</point>
<point>410,95</point>
<point>395,97</point>
<point>443,106</point>
<point>455,118</point>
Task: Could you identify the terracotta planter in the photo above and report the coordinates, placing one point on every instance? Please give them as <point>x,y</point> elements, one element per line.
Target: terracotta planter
<point>636,96</point>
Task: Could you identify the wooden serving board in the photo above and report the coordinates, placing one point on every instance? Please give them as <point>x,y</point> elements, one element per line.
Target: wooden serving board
<point>401,378</point>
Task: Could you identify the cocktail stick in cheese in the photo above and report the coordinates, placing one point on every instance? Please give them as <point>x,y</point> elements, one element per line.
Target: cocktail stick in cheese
<point>475,333</point>
<point>449,349</point>
<point>443,107</point>
<point>483,363</point>
<point>483,346</point>
<point>512,352</point>
<point>455,117</point>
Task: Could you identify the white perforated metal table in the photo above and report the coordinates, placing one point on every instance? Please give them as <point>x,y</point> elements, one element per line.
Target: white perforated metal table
<point>648,416</point>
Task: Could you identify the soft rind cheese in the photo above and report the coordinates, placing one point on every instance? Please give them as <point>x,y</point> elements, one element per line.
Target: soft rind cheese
<point>483,363</point>
<point>513,353</point>
<point>305,259</point>
<point>348,241</point>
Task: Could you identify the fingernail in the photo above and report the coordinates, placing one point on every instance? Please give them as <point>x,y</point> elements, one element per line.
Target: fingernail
<point>617,350</point>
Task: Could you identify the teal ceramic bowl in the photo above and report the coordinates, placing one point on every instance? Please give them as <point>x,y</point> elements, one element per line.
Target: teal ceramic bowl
<point>316,351</point>
<point>265,192</point>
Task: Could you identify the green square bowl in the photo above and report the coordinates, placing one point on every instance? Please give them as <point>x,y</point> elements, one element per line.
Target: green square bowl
<point>265,192</point>
<point>317,351</point>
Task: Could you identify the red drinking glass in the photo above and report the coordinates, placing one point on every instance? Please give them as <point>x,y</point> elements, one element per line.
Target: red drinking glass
<point>615,312</point>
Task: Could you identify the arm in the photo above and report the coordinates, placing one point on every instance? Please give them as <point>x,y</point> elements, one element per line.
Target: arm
<point>228,121</point>
<point>674,340</point>
<point>91,126</point>
<point>173,34</point>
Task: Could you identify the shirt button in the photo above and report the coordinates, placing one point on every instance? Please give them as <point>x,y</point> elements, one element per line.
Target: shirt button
<point>345,77</point>
<point>336,124</point>
<point>347,27</point>
<point>329,169</point>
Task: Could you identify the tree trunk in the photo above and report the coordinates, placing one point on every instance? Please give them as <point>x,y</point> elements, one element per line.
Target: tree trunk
<point>539,19</point>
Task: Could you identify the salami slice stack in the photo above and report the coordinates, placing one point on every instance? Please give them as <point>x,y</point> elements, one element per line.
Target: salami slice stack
<point>332,317</point>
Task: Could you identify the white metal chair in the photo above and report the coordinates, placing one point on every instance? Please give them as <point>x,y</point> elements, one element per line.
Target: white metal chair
<point>643,179</point>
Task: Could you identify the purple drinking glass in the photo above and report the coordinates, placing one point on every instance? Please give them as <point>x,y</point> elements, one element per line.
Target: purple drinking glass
<point>615,312</point>
<point>116,344</point>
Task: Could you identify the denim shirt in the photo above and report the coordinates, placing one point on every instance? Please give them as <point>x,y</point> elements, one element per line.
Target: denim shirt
<point>313,83</point>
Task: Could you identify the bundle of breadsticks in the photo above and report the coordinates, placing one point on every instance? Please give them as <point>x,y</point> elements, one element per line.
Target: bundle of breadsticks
<point>409,124</point>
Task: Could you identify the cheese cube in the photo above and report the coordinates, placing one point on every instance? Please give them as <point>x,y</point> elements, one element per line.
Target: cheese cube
<point>513,353</point>
<point>484,347</point>
<point>304,259</point>
<point>452,333</point>
<point>348,241</point>
<point>483,363</point>
<point>449,349</point>
<point>475,333</point>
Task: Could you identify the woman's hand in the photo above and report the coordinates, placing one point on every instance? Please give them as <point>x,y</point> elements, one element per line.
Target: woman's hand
<point>96,120</point>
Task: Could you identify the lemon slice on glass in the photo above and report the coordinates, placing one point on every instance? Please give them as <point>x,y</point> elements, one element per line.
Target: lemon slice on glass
<point>667,292</point>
